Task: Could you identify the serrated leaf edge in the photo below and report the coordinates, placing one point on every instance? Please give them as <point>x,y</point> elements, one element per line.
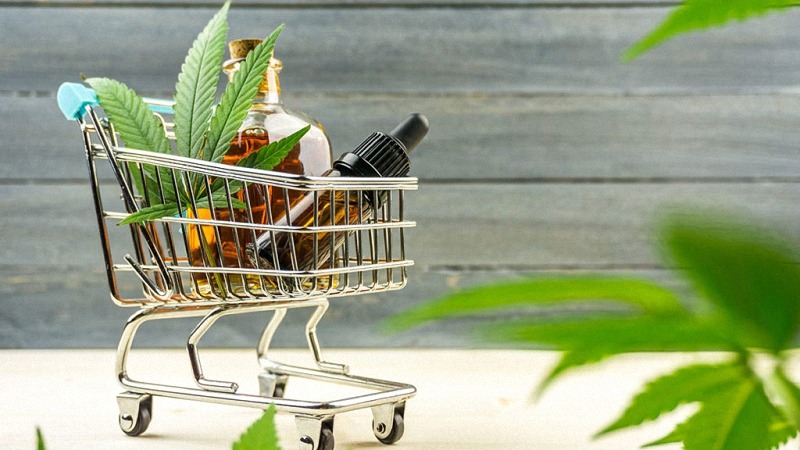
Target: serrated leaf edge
<point>673,377</point>
<point>237,98</point>
<point>196,88</point>
<point>137,125</point>
<point>264,425</point>
<point>272,154</point>
<point>683,19</point>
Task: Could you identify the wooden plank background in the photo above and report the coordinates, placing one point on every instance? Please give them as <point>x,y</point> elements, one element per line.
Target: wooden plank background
<point>546,153</point>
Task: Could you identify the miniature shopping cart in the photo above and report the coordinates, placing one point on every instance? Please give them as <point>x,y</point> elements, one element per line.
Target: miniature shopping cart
<point>181,266</point>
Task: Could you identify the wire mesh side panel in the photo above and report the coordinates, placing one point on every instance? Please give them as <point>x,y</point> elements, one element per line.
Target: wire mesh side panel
<point>231,235</point>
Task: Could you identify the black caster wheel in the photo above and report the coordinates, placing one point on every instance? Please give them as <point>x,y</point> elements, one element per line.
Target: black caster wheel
<point>280,388</point>
<point>136,411</point>
<point>398,428</point>
<point>326,441</point>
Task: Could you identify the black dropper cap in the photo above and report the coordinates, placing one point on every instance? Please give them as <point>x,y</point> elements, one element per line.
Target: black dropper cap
<point>385,155</point>
<point>411,131</point>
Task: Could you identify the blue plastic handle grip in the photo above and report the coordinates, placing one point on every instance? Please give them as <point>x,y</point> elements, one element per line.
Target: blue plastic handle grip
<point>73,98</point>
<point>161,109</point>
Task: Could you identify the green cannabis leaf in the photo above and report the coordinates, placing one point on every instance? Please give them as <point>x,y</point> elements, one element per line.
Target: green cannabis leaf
<point>137,127</point>
<point>201,131</point>
<point>788,391</point>
<point>151,213</point>
<point>739,416</point>
<point>219,199</point>
<point>135,123</point>
<point>593,340</point>
<point>748,285</point>
<point>686,385</point>
<point>237,98</point>
<point>39,439</point>
<point>741,273</point>
<point>633,292</point>
<point>694,15</point>
<point>270,155</point>
<point>261,435</point>
<point>196,88</point>
<point>265,158</point>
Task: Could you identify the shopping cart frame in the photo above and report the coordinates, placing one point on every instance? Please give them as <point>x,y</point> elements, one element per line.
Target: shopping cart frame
<point>170,289</point>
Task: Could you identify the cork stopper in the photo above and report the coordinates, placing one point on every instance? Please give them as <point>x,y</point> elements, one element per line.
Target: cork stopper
<point>241,47</point>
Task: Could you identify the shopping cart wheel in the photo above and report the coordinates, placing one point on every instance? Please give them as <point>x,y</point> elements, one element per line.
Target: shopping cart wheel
<point>135,412</point>
<point>280,389</point>
<point>272,385</point>
<point>388,428</point>
<point>316,433</point>
<point>326,439</point>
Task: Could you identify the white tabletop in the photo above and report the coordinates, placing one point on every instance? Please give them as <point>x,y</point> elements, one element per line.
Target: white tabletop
<point>467,399</point>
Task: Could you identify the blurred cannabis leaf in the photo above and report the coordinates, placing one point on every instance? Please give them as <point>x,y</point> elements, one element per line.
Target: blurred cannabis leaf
<point>693,15</point>
<point>39,439</point>
<point>748,285</point>
<point>261,435</point>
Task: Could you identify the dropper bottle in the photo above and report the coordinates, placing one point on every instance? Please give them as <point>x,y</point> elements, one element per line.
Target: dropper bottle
<point>380,155</point>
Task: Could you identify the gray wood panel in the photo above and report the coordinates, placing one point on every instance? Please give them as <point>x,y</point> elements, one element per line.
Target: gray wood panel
<point>564,50</point>
<point>460,226</point>
<point>580,138</point>
<point>547,155</point>
<point>572,225</point>
<point>70,308</point>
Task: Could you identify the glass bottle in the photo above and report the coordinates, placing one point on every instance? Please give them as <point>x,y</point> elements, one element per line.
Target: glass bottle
<point>380,155</point>
<point>267,120</point>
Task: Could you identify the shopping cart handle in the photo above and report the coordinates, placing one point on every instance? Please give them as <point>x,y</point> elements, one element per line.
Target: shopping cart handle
<point>158,105</point>
<point>73,98</point>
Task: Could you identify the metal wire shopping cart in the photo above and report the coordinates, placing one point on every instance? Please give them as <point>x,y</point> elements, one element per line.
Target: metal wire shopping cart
<point>191,264</point>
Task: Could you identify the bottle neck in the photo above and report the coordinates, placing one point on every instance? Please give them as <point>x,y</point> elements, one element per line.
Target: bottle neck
<point>269,90</point>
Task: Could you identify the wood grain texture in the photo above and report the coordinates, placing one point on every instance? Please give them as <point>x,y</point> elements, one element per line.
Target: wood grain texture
<point>480,50</point>
<point>459,225</point>
<point>69,307</point>
<point>502,137</point>
<point>546,155</point>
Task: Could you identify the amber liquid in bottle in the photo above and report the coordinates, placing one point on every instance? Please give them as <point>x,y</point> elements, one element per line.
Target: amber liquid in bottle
<point>203,245</point>
<point>267,120</point>
<point>311,250</point>
<point>232,240</point>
